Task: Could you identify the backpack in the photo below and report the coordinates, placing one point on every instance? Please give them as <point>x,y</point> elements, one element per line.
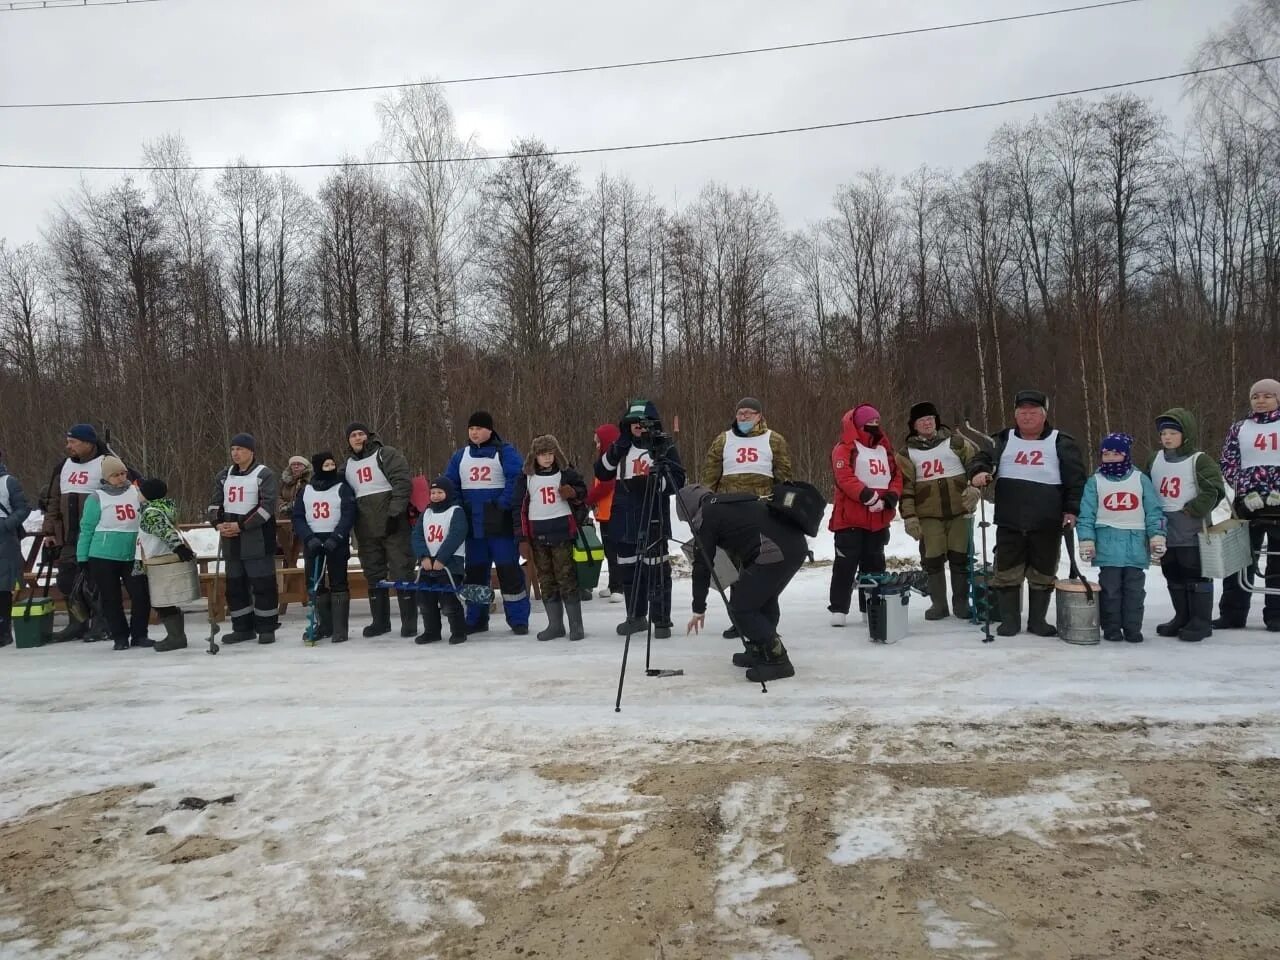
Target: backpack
<point>799,504</point>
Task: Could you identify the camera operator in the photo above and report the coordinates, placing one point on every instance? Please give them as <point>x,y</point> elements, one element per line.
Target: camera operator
<point>646,465</point>
<point>767,550</point>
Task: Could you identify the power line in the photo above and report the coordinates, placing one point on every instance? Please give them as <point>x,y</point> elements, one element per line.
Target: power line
<point>18,6</point>
<point>366,88</point>
<point>584,151</point>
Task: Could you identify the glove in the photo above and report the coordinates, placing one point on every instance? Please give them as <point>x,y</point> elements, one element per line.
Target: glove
<point>393,525</point>
<point>332,544</point>
<point>184,553</point>
<point>1273,498</point>
<point>314,544</point>
<point>969,498</point>
<point>890,500</point>
<point>618,449</point>
<point>1087,550</point>
<point>568,492</point>
<point>1157,544</point>
<point>913,527</point>
<point>868,497</point>
<point>1253,501</point>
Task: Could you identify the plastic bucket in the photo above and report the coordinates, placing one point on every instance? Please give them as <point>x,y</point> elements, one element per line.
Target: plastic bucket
<point>32,623</point>
<point>1077,610</point>
<point>173,584</point>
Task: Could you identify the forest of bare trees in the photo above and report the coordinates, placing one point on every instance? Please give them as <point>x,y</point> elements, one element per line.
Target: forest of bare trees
<point>1119,264</point>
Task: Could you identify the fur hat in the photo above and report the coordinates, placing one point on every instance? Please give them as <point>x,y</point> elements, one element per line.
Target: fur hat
<point>545,444</point>
<point>112,465</point>
<point>153,488</point>
<point>244,440</point>
<point>1266,385</point>
<point>918,410</point>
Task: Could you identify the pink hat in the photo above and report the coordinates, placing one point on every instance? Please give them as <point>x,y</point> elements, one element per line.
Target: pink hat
<point>863,414</point>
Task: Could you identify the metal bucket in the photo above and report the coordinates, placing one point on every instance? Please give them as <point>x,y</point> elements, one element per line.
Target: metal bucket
<point>173,584</point>
<point>1077,609</point>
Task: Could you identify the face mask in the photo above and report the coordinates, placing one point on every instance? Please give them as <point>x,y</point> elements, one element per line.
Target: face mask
<point>745,426</point>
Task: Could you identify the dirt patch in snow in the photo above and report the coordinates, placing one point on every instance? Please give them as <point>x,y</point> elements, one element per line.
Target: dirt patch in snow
<point>1174,859</point>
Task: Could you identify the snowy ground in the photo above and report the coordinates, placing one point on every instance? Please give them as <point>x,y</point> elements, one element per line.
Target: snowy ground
<point>400,801</point>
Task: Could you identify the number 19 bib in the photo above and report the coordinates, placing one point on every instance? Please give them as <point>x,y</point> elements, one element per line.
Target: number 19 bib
<point>365,477</point>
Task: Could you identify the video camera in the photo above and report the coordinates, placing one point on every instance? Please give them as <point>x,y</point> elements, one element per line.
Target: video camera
<point>656,439</point>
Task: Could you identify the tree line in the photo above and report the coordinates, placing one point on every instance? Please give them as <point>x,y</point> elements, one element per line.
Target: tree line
<point>1094,252</point>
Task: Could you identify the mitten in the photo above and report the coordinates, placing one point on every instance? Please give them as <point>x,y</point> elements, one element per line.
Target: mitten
<point>567,491</point>
<point>184,553</point>
<point>969,499</point>
<point>913,527</point>
<point>1158,547</point>
<point>1273,498</point>
<point>332,544</point>
<point>890,499</point>
<point>1253,501</point>
<point>1087,550</point>
<point>868,497</point>
<point>314,544</point>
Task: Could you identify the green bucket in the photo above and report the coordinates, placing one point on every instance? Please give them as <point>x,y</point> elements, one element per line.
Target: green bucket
<point>32,623</point>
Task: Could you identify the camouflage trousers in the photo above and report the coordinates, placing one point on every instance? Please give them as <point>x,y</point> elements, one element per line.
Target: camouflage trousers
<point>943,541</point>
<point>557,577</point>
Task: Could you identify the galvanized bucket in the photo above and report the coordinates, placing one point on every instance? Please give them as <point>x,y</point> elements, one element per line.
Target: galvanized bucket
<point>172,584</point>
<point>1076,603</point>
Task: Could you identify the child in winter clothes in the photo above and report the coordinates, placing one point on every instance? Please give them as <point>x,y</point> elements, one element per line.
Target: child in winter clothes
<point>161,543</point>
<point>1121,529</point>
<point>600,500</point>
<point>550,492</point>
<point>868,488</point>
<point>440,544</point>
<point>324,512</point>
<point>107,545</point>
<point>1189,485</point>
<point>1251,467</point>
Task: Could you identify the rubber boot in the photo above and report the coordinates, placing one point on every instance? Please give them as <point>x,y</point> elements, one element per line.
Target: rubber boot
<point>408,604</point>
<point>340,605</point>
<point>745,657</point>
<point>960,592</point>
<point>1181,610</point>
<point>573,610</point>
<point>1199,612</point>
<point>175,633</point>
<point>772,664</point>
<point>633,625</point>
<point>938,594</point>
<point>731,633</point>
<point>430,621</point>
<point>451,607</point>
<point>324,616</point>
<point>6,629</point>
<point>380,610</point>
<point>1037,609</point>
<point>555,620</point>
<point>74,630</point>
<point>1010,600</point>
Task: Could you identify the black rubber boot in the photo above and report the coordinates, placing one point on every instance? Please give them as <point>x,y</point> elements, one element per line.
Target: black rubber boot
<point>1181,611</point>
<point>340,606</point>
<point>573,612</point>
<point>960,592</point>
<point>731,634</point>
<point>175,633</point>
<point>1037,609</point>
<point>1199,612</point>
<point>746,657</point>
<point>555,620</point>
<point>1010,600</point>
<point>430,622</point>
<point>938,594</point>
<point>266,637</point>
<point>380,610</point>
<point>6,629</point>
<point>408,604</point>
<point>633,625</point>
<point>324,616</point>
<point>772,664</point>
<point>74,630</point>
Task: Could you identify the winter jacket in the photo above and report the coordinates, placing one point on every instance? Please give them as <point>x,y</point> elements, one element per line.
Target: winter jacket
<point>628,461</point>
<point>553,530</point>
<point>455,537</point>
<point>600,495</point>
<point>95,544</point>
<point>1263,480</point>
<point>63,511</point>
<point>1183,526</point>
<point>373,509</point>
<point>490,510</point>
<point>743,526</point>
<point>1116,547</point>
<point>291,486</point>
<point>160,520</point>
<point>929,494</point>
<point>257,521</point>
<point>761,484</point>
<point>851,494</point>
<point>1023,504</point>
<point>346,512</point>
<point>14,509</point>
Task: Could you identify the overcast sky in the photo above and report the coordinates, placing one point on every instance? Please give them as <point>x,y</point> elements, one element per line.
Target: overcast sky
<point>194,47</point>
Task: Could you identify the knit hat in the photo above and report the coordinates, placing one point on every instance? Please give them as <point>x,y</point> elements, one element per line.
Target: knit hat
<point>922,409</point>
<point>244,440</point>
<point>355,425</point>
<point>483,419</point>
<point>153,488</point>
<point>1168,423</point>
<point>444,483</point>
<point>1266,385</point>
<point>302,460</point>
<point>750,403</point>
<point>318,459</point>
<point>863,414</point>
<point>112,465</point>
<point>83,432</point>
<point>1116,443</point>
<point>1031,397</point>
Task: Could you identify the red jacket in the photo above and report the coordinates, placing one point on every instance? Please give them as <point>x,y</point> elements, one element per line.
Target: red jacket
<point>849,511</point>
